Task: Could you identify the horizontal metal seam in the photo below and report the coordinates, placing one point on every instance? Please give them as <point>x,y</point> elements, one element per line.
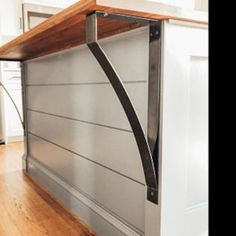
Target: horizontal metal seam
<point>88,83</point>
<point>86,158</point>
<point>82,121</point>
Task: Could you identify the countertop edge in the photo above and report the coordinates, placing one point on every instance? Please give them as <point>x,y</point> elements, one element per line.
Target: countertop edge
<point>151,10</point>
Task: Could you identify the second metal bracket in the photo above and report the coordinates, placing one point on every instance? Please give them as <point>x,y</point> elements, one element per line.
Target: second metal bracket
<point>117,84</point>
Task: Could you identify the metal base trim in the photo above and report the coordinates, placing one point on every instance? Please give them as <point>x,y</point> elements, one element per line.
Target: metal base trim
<point>123,228</point>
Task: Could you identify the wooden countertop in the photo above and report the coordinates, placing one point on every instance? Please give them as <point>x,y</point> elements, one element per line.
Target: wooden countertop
<point>67,28</point>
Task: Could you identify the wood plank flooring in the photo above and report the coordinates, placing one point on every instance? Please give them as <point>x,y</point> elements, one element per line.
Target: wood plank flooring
<point>26,209</point>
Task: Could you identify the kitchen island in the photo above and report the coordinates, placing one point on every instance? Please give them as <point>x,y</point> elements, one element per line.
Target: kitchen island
<point>109,97</point>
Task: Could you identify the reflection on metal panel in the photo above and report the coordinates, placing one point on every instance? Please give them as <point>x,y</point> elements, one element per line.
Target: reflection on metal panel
<point>104,186</point>
<point>67,101</point>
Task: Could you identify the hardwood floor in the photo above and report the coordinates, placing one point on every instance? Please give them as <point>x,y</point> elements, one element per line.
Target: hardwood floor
<point>26,209</point>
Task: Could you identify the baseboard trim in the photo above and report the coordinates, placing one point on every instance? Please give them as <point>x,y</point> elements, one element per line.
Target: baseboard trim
<point>123,228</point>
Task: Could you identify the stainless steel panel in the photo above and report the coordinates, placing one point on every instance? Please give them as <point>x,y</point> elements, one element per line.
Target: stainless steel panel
<point>98,224</point>
<point>72,85</point>
<point>95,103</point>
<point>128,52</point>
<point>112,148</point>
<point>118,194</point>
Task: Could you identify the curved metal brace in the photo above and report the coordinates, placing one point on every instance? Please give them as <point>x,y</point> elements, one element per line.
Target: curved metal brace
<point>117,84</point>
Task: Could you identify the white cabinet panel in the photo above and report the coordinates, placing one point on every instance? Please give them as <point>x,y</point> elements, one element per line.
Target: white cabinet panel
<point>11,78</point>
<point>184,151</point>
<point>14,127</point>
<point>197,167</point>
<point>2,118</point>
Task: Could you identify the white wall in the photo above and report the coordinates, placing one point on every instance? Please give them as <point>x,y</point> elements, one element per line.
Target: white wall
<point>54,3</point>
<point>191,4</point>
<point>179,3</point>
<point>201,5</point>
<point>184,131</point>
<point>10,13</point>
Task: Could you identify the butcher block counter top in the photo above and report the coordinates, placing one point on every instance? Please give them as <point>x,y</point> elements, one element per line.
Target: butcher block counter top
<point>67,28</point>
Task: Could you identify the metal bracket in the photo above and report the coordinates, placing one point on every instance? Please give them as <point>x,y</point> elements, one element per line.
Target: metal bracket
<point>117,84</point>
